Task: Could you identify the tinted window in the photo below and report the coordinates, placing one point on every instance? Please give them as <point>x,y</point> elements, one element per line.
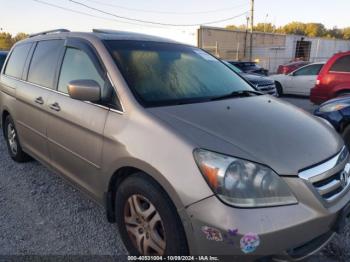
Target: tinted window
<point>44,62</point>
<point>309,70</point>
<point>76,66</point>
<point>2,60</point>
<point>165,73</point>
<point>17,60</point>
<point>341,65</point>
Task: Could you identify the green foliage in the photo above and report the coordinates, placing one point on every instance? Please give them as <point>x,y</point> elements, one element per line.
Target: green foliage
<point>232,27</point>
<point>299,28</point>
<point>235,27</point>
<point>346,33</point>
<point>265,27</point>
<point>7,40</point>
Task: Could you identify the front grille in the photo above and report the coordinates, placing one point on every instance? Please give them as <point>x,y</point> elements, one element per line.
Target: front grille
<point>264,83</point>
<point>331,178</point>
<point>329,187</point>
<point>266,88</point>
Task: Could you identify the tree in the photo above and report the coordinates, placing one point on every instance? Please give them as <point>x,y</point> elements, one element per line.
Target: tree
<point>7,41</point>
<point>231,27</point>
<point>295,28</point>
<point>345,33</point>
<point>19,37</point>
<point>334,33</point>
<point>315,30</point>
<point>265,27</point>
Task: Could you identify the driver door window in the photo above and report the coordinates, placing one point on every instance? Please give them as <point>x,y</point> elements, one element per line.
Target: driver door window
<point>77,65</point>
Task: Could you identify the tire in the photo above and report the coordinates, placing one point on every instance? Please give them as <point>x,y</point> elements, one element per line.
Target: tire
<point>140,191</point>
<point>279,89</point>
<point>12,141</point>
<point>346,136</point>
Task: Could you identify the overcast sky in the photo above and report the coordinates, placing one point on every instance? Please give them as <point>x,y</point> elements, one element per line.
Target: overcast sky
<point>30,16</point>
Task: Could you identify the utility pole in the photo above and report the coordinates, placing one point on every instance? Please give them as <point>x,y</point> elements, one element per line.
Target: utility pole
<point>245,38</point>
<point>251,29</point>
<point>265,22</point>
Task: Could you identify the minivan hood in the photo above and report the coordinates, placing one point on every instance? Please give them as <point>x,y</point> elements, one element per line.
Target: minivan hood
<point>263,129</point>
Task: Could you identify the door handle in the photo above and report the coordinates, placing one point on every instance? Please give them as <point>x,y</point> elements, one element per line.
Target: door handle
<point>55,106</point>
<point>39,100</point>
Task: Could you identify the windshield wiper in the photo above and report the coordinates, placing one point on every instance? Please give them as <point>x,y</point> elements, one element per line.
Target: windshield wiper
<point>240,93</point>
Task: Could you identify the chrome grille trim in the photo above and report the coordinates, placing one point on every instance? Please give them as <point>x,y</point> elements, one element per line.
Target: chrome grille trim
<point>325,177</point>
<point>333,185</point>
<point>266,88</point>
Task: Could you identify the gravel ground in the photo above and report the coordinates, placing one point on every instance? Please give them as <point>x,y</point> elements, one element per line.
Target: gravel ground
<point>41,214</point>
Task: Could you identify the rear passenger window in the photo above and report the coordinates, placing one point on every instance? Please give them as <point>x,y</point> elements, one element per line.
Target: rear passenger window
<point>310,70</point>
<point>76,66</point>
<point>17,60</point>
<point>341,65</point>
<point>44,63</point>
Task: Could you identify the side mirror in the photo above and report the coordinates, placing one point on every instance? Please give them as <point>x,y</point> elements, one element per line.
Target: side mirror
<point>85,90</point>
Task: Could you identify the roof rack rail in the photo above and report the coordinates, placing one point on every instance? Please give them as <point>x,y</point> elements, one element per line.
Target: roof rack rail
<point>111,31</point>
<point>104,31</point>
<point>49,32</point>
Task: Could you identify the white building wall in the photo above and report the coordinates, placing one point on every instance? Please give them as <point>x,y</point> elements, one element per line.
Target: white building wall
<point>271,50</point>
<point>321,50</point>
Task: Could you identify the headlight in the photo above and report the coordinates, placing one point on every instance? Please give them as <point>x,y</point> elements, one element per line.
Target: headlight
<point>333,107</point>
<point>242,183</point>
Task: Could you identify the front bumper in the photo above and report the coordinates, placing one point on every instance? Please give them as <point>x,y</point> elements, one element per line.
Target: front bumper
<point>291,232</point>
<point>268,89</point>
<point>317,96</point>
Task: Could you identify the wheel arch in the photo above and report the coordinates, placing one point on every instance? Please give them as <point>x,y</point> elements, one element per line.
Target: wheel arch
<point>124,172</point>
<point>4,114</point>
<point>344,124</point>
<point>341,90</point>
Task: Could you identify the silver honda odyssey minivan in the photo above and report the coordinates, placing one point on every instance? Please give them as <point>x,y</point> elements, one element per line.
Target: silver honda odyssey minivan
<point>184,154</point>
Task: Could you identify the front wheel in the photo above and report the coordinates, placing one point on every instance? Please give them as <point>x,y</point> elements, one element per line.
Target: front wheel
<point>147,219</point>
<point>12,141</point>
<point>279,89</point>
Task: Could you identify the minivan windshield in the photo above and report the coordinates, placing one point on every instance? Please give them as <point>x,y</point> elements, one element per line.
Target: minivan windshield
<point>161,74</point>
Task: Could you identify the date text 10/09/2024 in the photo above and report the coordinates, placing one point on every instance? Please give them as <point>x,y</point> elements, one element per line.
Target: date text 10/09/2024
<point>173,258</point>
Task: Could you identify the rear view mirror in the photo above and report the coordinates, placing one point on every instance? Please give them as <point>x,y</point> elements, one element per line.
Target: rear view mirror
<point>85,90</point>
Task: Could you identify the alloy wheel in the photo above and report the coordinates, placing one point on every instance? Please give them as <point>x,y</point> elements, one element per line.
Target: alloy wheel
<point>144,226</point>
<point>12,138</point>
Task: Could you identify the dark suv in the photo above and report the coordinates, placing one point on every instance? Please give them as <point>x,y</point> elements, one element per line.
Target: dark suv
<point>262,83</point>
<point>250,67</point>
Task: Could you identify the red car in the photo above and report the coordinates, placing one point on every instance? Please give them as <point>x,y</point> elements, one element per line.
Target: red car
<point>333,79</point>
<point>290,67</point>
